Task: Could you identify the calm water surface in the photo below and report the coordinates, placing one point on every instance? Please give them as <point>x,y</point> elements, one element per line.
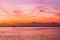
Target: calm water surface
<point>29,33</point>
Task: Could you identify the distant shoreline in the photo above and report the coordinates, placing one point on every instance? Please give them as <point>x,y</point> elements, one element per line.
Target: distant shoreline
<point>30,25</point>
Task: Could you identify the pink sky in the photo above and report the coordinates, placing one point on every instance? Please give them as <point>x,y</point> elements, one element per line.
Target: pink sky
<point>26,11</point>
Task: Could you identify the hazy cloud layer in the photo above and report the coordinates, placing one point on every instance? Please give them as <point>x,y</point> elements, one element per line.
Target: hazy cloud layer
<point>29,9</point>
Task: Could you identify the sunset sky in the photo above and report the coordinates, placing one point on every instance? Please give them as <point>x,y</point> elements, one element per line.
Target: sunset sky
<point>27,11</point>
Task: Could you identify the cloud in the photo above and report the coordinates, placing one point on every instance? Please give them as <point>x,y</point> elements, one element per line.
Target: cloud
<point>57,14</point>
<point>17,12</point>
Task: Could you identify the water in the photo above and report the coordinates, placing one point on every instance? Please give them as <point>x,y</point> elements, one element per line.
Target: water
<point>29,33</point>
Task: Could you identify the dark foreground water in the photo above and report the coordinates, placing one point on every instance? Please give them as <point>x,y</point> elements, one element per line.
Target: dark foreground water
<point>29,33</point>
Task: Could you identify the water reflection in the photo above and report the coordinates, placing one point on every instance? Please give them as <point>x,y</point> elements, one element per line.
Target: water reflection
<point>30,33</point>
